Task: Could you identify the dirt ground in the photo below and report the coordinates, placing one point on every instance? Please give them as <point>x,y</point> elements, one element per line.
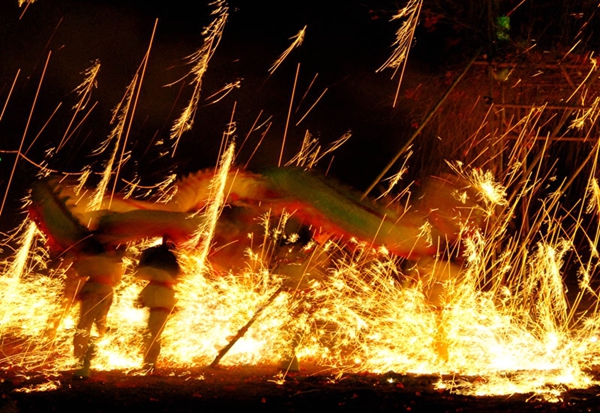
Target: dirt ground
<point>256,389</point>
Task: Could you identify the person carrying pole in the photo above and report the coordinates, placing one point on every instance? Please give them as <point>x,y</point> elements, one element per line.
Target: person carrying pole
<point>159,266</point>
<point>102,267</point>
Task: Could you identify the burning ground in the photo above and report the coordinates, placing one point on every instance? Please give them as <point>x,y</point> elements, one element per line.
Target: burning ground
<point>503,315</point>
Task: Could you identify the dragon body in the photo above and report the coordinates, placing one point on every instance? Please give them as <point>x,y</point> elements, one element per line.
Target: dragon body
<point>327,208</point>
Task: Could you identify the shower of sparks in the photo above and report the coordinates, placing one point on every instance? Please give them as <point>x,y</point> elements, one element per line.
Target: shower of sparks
<point>11,279</point>
<point>137,83</point>
<point>297,42</point>
<point>489,191</point>
<point>594,196</point>
<point>310,152</point>
<point>335,145</point>
<point>85,88</point>
<point>120,115</point>
<point>84,91</point>
<point>224,91</point>
<point>312,106</point>
<point>202,240</point>
<point>588,77</point>
<point>20,150</point>
<point>27,2</point>
<point>360,310</point>
<point>492,192</point>
<point>404,39</point>
<point>199,59</point>
<point>593,208</point>
<point>590,115</point>
<point>310,147</point>
<point>163,189</point>
<point>395,178</point>
<point>12,88</point>
<point>289,114</point>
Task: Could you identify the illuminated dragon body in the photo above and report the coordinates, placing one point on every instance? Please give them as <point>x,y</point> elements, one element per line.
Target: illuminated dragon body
<point>330,211</point>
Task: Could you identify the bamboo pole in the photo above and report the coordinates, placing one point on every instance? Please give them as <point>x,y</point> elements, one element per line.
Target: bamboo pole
<point>244,329</point>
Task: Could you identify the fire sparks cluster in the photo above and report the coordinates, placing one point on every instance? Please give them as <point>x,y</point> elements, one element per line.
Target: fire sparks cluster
<point>361,310</point>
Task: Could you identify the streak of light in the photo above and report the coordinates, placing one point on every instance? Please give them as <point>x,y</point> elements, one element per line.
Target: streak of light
<point>515,8</point>
<point>312,82</point>
<point>81,121</point>
<point>252,129</point>
<point>224,91</point>
<point>588,76</point>
<point>37,92</point>
<point>289,114</point>
<point>12,87</point>
<point>313,105</point>
<point>229,133</point>
<point>200,59</point>
<point>135,101</point>
<point>297,42</point>
<point>84,91</point>
<point>403,42</point>
<point>43,127</point>
<point>258,144</point>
